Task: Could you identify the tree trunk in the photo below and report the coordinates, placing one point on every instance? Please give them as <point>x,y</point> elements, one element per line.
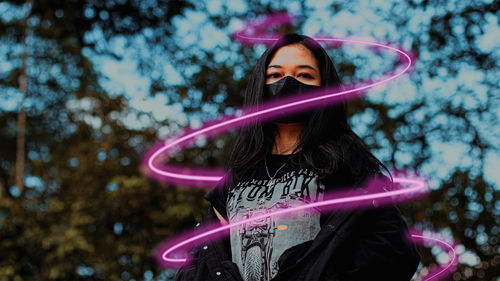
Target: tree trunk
<point>21,117</point>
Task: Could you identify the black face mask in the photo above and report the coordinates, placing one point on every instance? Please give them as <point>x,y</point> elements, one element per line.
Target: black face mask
<point>286,87</point>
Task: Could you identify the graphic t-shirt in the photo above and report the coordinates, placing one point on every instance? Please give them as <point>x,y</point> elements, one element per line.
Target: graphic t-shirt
<point>257,246</point>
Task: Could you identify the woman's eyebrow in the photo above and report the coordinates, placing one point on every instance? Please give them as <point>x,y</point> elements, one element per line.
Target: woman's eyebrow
<point>299,66</point>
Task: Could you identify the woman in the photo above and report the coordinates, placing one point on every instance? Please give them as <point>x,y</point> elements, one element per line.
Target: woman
<point>291,160</point>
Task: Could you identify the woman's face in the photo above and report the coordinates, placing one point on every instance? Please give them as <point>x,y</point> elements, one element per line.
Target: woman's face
<point>296,61</point>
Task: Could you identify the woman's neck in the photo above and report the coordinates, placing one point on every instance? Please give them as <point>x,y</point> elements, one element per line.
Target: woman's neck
<point>287,137</point>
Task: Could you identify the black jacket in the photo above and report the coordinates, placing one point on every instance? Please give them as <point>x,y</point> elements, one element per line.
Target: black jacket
<point>352,245</point>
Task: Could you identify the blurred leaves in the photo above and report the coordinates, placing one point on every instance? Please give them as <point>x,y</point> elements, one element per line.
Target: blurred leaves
<point>90,214</point>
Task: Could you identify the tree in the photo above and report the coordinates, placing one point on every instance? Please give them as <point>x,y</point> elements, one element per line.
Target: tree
<point>87,211</point>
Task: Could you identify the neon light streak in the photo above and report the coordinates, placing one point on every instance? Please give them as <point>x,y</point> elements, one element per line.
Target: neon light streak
<point>306,101</point>
<point>444,270</point>
<point>265,112</point>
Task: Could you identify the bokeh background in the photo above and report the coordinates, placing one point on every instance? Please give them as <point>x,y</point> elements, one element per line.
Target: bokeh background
<point>86,87</point>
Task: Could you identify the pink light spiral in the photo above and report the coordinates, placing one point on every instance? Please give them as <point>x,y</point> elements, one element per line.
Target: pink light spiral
<point>254,33</point>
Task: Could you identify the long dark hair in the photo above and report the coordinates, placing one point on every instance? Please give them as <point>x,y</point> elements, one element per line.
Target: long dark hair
<point>327,141</point>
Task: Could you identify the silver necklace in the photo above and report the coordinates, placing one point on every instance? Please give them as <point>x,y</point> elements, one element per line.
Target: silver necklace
<point>271,178</point>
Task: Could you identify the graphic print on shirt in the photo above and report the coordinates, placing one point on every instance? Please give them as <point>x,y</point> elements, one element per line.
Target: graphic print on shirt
<point>256,246</point>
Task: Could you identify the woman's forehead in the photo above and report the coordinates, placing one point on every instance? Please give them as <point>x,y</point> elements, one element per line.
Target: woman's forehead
<point>293,56</point>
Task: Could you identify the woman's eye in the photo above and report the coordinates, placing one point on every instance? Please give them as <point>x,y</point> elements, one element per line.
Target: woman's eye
<point>273,75</point>
<point>305,75</point>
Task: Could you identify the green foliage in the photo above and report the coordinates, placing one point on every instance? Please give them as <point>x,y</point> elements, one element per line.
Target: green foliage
<point>92,214</point>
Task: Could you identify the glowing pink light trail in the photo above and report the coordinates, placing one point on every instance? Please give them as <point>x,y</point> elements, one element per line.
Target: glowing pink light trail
<point>306,101</point>
<point>266,112</point>
<point>418,186</point>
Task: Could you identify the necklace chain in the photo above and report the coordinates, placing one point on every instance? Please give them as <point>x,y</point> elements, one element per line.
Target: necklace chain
<point>265,162</point>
